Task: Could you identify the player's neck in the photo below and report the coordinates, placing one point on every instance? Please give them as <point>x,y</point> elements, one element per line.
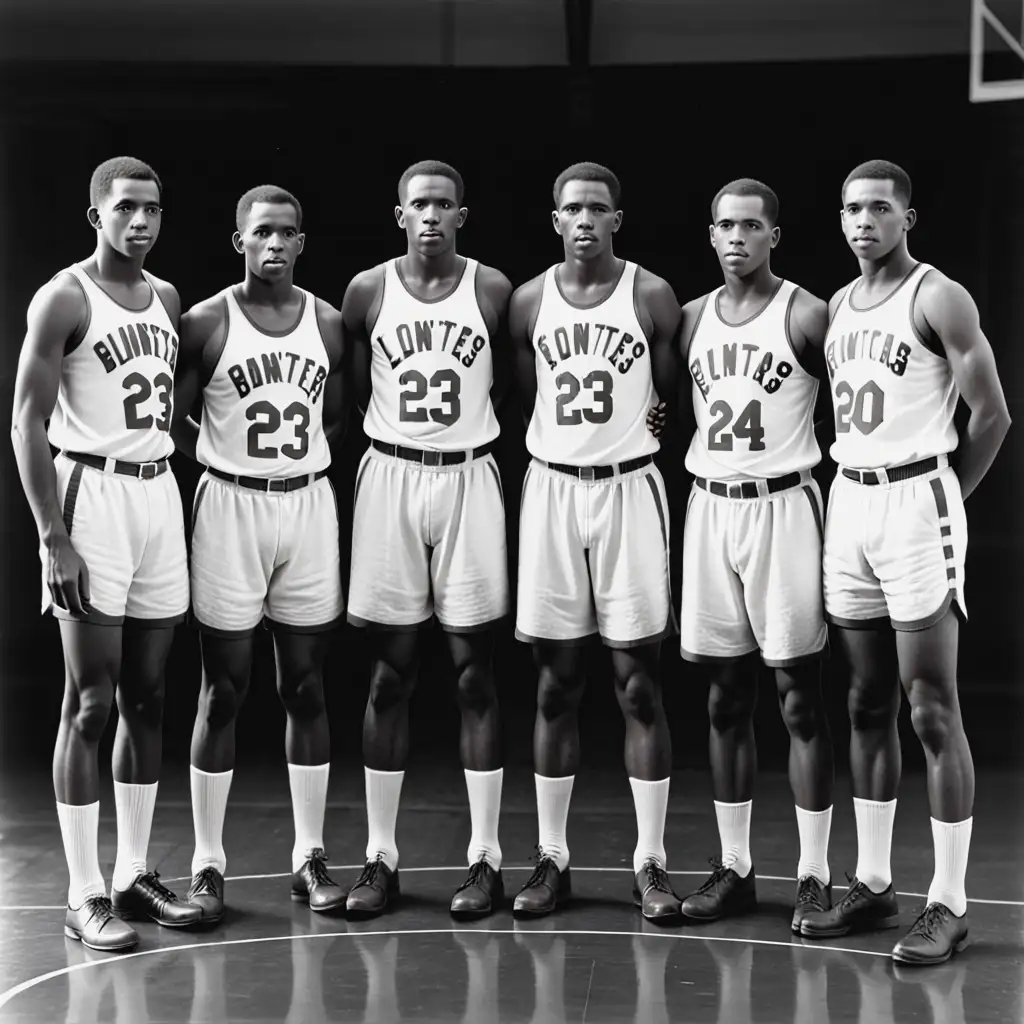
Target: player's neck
<point>892,267</point>
<point>114,267</point>
<point>603,269</point>
<point>761,284</point>
<point>257,292</point>
<point>417,268</point>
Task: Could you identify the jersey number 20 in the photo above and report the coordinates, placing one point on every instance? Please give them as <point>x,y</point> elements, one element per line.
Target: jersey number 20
<point>449,410</point>
<point>599,383</point>
<point>266,419</point>
<point>864,409</point>
<point>747,427</point>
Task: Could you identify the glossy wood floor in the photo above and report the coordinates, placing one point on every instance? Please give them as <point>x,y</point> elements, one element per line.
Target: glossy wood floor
<point>272,960</point>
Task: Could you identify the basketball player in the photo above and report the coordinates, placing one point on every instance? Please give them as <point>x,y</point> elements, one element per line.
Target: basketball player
<point>593,338</point>
<point>752,541</point>
<point>264,357</point>
<point>97,362</point>
<point>904,343</point>
<point>428,535</point>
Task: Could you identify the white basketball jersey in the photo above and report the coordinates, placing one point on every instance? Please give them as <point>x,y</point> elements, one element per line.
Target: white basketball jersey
<point>263,406</point>
<point>594,383</point>
<point>753,401</point>
<point>894,398</point>
<point>431,368</point>
<point>117,386</point>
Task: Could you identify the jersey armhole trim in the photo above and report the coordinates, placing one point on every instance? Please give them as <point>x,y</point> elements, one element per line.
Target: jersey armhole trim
<point>636,302</point>
<point>693,333</point>
<point>215,366</point>
<point>380,308</point>
<point>79,336</point>
<point>532,325</point>
<point>935,348</point>
<point>798,356</point>
<point>839,304</point>
<point>320,331</point>
<point>160,298</point>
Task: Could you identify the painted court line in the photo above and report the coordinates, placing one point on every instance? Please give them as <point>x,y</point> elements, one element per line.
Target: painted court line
<point>16,990</point>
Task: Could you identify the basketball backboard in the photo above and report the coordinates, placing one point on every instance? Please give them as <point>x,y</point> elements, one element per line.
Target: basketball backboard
<point>989,34</point>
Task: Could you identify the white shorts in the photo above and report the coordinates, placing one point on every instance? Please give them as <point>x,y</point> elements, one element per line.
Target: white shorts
<point>426,541</point>
<point>259,554</point>
<point>593,558</point>
<point>895,551</point>
<point>752,576</point>
<point>131,535</point>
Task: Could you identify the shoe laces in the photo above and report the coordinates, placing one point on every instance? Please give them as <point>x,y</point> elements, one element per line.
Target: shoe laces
<point>854,894</point>
<point>475,876</point>
<point>205,883</point>
<point>657,877</point>
<point>151,884</point>
<point>318,867</point>
<point>371,869</point>
<point>98,906</point>
<point>543,860</point>
<point>718,870</point>
<point>932,917</point>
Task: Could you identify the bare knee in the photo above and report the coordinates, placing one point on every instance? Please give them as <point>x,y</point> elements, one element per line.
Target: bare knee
<point>388,687</point>
<point>557,695</point>
<point>476,691</point>
<point>873,706</point>
<point>934,717</point>
<point>219,702</point>
<point>302,694</point>
<point>800,704</point>
<point>87,711</point>
<point>639,698</point>
<point>143,703</point>
<point>729,705</point>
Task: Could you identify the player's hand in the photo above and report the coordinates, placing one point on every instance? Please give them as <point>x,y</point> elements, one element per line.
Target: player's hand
<point>656,417</point>
<point>67,576</point>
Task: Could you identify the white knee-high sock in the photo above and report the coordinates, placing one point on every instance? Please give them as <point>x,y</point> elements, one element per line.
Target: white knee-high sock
<point>383,793</point>
<point>553,795</point>
<point>874,842</point>
<point>308,784</point>
<point>815,828</point>
<point>134,806</point>
<point>952,846</point>
<point>209,805</point>
<point>484,789</point>
<point>734,830</point>
<point>79,828</point>
<point>650,800</point>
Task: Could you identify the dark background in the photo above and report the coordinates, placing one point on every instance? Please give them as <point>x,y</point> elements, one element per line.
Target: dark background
<point>224,97</point>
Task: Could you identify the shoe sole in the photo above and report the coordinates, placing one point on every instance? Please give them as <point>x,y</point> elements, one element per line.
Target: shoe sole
<point>525,913</point>
<point>882,924</point>
<point>958,947</point>
<point>298,897</point>
<point>128,915</point>
<point>77,936</point>
<point>471,915</point>
<point>750,908</point>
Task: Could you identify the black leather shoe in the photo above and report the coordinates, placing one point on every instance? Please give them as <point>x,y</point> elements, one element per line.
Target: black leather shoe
<point>811,897</point>
<point>480,894</point>
<point>724,894</point>
<point>375,888</point>
<point>207,893</point>
<point>860,910</point>
<point>545,890</point>
<point>147,897</point>
<point>311,884</point>
<point>934,937</point>
<point>95,925</point>
<point>652,893</point>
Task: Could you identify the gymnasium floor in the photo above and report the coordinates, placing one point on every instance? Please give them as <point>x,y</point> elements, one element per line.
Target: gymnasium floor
<point>273,960</point>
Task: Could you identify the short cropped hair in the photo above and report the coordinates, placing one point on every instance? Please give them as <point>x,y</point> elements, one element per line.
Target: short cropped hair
<point>432,168</point>
<point>588,171</point>
<point>265,194</point>
<point>882,170</point>
<point>103,177</point>
<point>749,187</point>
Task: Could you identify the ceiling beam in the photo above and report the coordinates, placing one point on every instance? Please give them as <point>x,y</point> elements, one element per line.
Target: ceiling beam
<point>578,19</point>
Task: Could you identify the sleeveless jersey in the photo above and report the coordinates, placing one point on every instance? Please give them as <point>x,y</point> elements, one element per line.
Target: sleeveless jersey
<point>753,401</point>
<point>117,386</point>
<point>263,405</point>
<point>894,398</point>
<point>594,383</point>
<point>431,368</point>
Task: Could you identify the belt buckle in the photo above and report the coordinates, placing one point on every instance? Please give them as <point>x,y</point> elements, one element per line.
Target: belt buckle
<point>734,490</point>
<point>277,485</point>
<point>431,458</point>
<point>587,473</point>
<point>147,471</point>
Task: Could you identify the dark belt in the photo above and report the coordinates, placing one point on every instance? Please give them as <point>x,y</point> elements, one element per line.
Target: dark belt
<point>894,475</point>
<point>277,485</point>
<point>139,470</point>
<point>425,458</point>
<point>600,472</point>
<point>748,488</point>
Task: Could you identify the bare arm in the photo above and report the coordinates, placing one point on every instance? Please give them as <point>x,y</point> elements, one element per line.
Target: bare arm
<point>493,292</point>
<point>661,305</point>
<point>951,313</point>
<point>335,413</point>
<point>362,294</point>
<point>201,330</point>
<point>808,324</point>
<point>689,317</point>
<point>523,308</point>
<point>56,315</point>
